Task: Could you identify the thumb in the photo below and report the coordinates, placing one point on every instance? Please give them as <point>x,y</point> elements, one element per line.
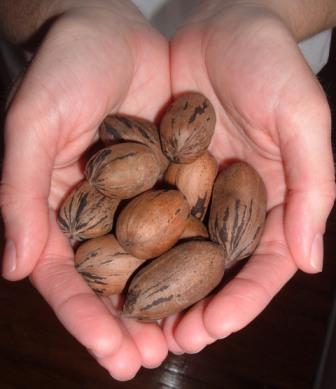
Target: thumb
<point>309,169</point>
<point>28,162</point>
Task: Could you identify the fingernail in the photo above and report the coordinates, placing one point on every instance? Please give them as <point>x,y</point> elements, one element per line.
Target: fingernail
<point>316,253</point>
<point>9,258</point>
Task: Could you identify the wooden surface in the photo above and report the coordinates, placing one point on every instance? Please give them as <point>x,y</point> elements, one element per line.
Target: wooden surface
<point>280,349</point>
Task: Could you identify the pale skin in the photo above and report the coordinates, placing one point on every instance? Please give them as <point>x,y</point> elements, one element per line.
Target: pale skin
<point>271,112</point>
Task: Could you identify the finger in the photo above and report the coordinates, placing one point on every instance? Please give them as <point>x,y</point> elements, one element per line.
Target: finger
<point>125,363</point>
<point>307,155</point>
<point>168,327</point>
<point>266,272</point>
<point>149,340</point>
<point>190,334</point>
<point>148,337</point>
<point>243,298</point>
<point>81,312</point>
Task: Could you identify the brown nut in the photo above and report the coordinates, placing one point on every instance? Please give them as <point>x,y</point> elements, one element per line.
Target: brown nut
<point>104,265</point>
<point>194,229</point>
<point>117,128</point>
<point>179,278</point>
<point>86,213</point>
<point>152,223</point>
<point>238,211</point>
<point>123,170</point>
<point>195,180</point>
<point>187,127</point>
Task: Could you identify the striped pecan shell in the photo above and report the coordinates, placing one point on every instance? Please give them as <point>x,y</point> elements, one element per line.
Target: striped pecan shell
<point>116,128</point>
<point>238,211</point>
<point>174,281</point>
<point>104,265</point>
<point>123,170</point>
<point>195,180</point>
<point>152,222</point>
<point>86,213</point>
<point>187,127</point>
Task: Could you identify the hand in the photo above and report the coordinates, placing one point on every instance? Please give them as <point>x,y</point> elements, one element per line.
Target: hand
<point>94,60</point>
<point>272,113</point>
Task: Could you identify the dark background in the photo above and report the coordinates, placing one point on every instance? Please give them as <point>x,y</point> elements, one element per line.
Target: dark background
<point>290,345</point>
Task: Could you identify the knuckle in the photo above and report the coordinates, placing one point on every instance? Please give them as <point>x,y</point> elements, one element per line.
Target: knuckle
<point>326,198</point>
<point>35,109</point>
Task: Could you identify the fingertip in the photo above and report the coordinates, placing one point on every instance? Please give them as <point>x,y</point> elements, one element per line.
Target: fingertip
<point>125,363</point>
<point>124,377</point>
<point>234,307</point>
<point>124,372</point>
<point>191,334</point>
<point>153,356</point>
<point>217,322</point>
<point>149,340</point>
<point>107,342</point>
<point>154,361</point>
<point>107,337</point>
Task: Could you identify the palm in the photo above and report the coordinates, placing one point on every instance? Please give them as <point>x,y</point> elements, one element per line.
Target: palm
<point>258,87</point>
<point>104,83</point>
<point>252,96</point>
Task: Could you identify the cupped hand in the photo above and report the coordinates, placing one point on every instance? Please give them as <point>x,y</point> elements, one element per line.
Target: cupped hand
<point>93,61</point>
<point>272,113</point>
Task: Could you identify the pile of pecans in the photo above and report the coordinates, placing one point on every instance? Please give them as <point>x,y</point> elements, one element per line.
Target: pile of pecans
<point>142,206</point>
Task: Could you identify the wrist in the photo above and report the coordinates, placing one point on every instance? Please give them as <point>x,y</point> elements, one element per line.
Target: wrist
<point>26,21</point>
<point>58,7</point>
<point>303,18</point>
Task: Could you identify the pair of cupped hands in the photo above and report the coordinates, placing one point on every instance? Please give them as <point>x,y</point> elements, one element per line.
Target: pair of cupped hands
<point>271,112</point>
